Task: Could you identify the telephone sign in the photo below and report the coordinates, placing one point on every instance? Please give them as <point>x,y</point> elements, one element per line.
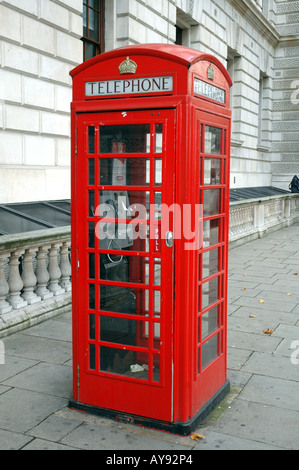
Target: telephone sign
<point>150,215</point>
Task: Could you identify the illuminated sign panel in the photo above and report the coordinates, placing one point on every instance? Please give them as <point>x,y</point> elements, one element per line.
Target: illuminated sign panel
<point>129,86</point>
<point>209,91</point>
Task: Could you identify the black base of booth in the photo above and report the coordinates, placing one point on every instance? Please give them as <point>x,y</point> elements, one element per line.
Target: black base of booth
<point>182,429</point>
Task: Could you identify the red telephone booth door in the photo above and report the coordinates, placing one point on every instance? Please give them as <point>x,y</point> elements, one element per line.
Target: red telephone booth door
<point>125,170</point>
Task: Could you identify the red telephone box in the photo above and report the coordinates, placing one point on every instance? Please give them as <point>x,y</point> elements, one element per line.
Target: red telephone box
<point>150,216</point>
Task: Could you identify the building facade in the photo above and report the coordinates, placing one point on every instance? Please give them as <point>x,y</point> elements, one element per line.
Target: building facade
<point>42,40</point>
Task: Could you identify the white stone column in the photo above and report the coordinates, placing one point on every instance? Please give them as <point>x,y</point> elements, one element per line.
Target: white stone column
<point>54,270</point>
<point>29,278</point>
<point>65,267</point>
<point>4,287</point>
<point>15,281</point>
<point>42,274</point>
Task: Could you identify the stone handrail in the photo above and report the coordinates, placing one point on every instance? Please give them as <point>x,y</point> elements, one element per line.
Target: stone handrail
<point>34,266</point>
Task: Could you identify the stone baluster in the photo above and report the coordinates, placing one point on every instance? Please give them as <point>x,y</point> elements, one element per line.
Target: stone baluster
<point>65,267</point>
<point>42,274</point>
<point>4,287</point>
<point>54,270</point>
<point>29,278</point>
<point>15,281</point>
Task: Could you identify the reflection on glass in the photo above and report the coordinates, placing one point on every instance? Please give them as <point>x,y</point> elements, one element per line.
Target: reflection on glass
<point>212,171</point>
<point>130,138</point>
<point>209,351</point>
<point>209,322</point>
<point>159,138</point>
<point>211,232</point>
<point>210,263</point>
<point>91,235</point>
<point>158,202</point>
<point>125,300</point>
<point>209,293</point>
<point>124,172</point>
<point>157,301</point>
<point>213,140</point>
<point>156,370</point>
<point>212,202</point>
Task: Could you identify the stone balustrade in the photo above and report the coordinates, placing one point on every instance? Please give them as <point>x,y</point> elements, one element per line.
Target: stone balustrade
<point>35,271</point>
<point>35,267</point>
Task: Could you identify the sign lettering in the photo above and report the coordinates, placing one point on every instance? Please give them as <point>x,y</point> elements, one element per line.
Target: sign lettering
<point>129,86</point>
<point>209,91</point>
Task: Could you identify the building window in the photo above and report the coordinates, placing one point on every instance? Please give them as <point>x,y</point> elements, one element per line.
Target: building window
<point>93,28</point>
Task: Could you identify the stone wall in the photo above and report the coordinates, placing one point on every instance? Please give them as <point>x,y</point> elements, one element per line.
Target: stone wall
<point>285,148</point>
<point>39,45</point>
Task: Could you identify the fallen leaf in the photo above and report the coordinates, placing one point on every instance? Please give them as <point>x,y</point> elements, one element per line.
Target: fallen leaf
<point>267,331</point>
<point>245,274</point>
<point>252,316</point>
<point>295,274</point>
<point>244,289</point>
<point>289,293</point>
<point>261,301</point>
<point>197,437</point>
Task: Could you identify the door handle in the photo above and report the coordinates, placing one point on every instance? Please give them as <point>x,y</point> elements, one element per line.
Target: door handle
<point>169,239</point>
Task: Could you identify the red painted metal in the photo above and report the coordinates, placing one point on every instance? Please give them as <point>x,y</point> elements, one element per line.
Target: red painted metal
<point>182,131</point>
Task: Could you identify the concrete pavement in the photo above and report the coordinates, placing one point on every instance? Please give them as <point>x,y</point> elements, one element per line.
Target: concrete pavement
<point>260,413</point>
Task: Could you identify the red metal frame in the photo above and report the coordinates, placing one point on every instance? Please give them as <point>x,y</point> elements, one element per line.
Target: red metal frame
<point>187,389</point>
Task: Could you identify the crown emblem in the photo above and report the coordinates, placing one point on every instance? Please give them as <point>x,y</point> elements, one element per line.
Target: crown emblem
<point>128,66</point>
<point>211,73</point>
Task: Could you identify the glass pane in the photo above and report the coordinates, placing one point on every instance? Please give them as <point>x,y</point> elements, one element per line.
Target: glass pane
<point>126,363</point>
<point>91,235</point>
<point>91,204</point>
<point>92,357</point>
<point>213,140</point>
<point>212,171</point>
<point>131,138</point>
<point>91,142</point>
<point>210,263</point>
<point>209,293</point>
<point>91,171</point>
<point>209,351</point>
<point>211,232</point>
<point>159,138</point>
<point>92,332</point>
<point>123,300</point>
<point>124,172</point>
<point>93,25</point>
<point>129,237</point>
<point>126,269</point>
<point>209,322</point>
<point>157,301</point>
<point>90,50</point>
<point>124,204</point>
<point>123,331</point>
<point>84,20</point>
<point>158,171</point>
<point>92,296</point>
<point>91,266</point>
<point>212,202</point>
<point>157,272</point>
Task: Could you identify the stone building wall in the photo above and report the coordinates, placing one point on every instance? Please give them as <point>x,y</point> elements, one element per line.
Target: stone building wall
<point>285,148</point>
<point>39,45</point>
